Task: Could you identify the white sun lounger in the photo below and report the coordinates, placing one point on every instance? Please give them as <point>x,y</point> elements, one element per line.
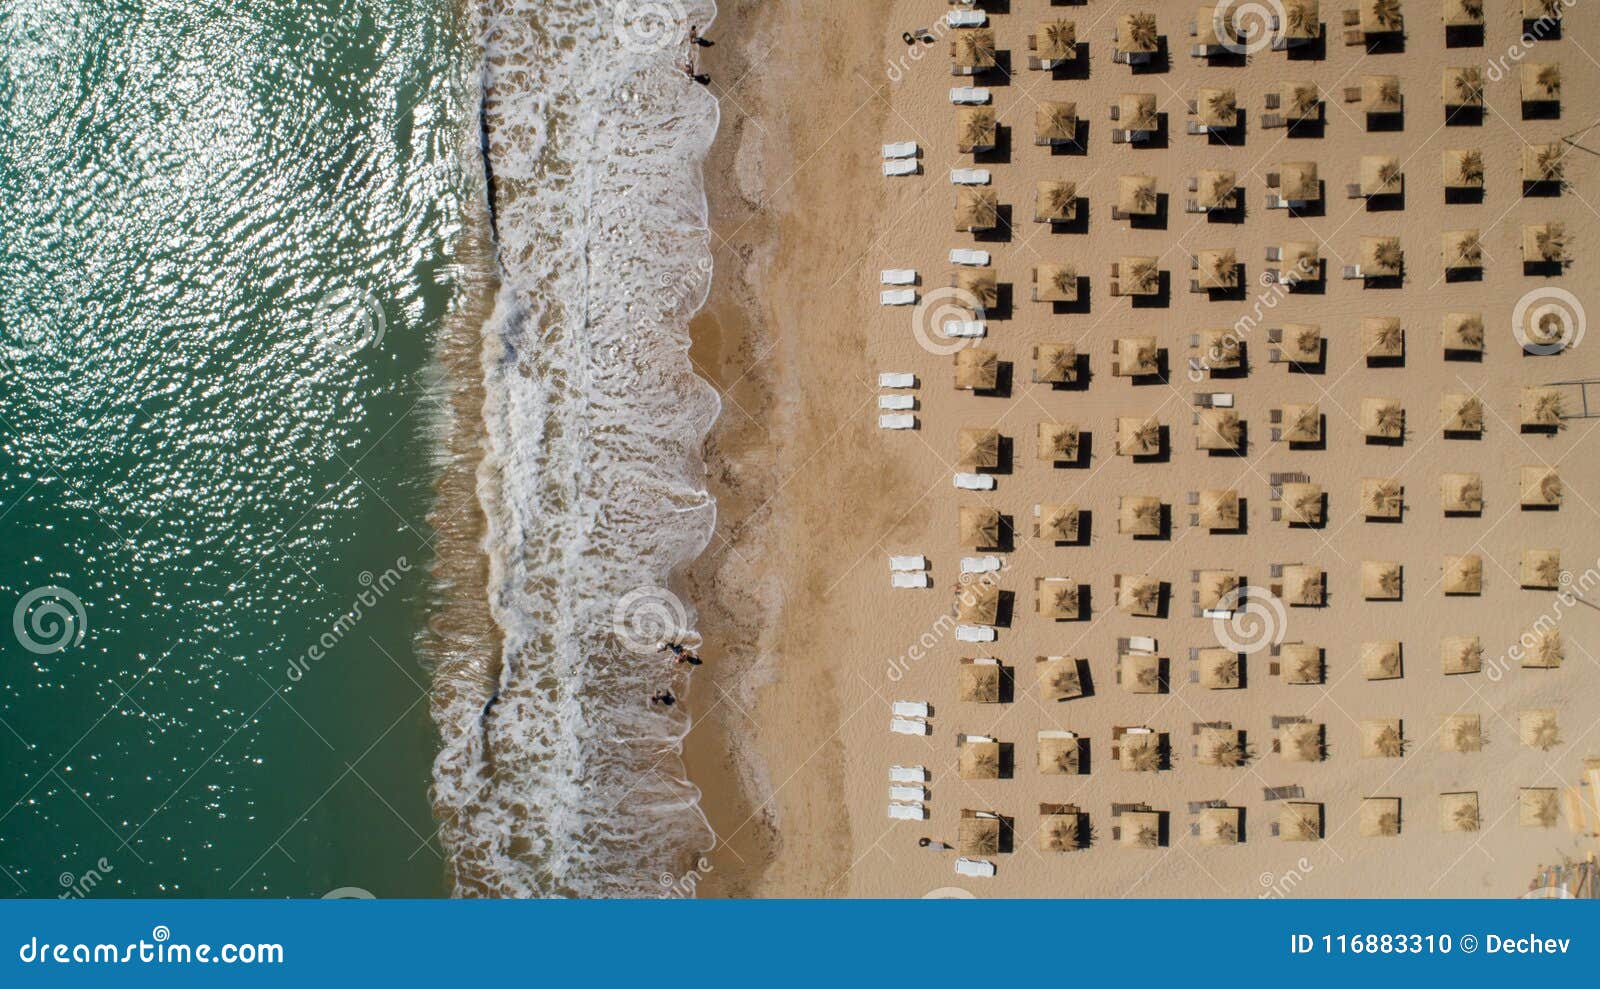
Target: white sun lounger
<point>969,255</point>
<point>980,564</point>
<point>916,562</point>
<point>902,166</point>
<point>969,176</point>
<point>975,482</point>
<point>896,379</point>
<point>898,296</point>
<point>970,95</point>
<point>911,580</point>
<point>908,794</point>
<point>907,774</point>
<point>1222,400</point>
<point>965,328</point>
<point>974,867</point>
<point>898,276</point>
<point>897,403</point>
<point>911,709</point>
<point>906,726</point>
<point>900,149</point>
<point>1142,643</point>
<point>966,18</point>
<point>974,633</point>
<point>907,812</point>
<point>897,420</point>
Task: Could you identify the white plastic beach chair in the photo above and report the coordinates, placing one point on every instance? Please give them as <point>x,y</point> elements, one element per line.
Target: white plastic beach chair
<point>970,95</point>
<point>898,296</point>
<point>969,256</point>
<point>906,726</point>
<point>966,18</point>
<point>911,709</point>
<point>975,482</point>
<point>974,867</point>
<point>898,276</point>
<point>1222,400</point>
<point>916,562</point>
<point>1142,643</point>
<point>974,633</point>
<point>969,176</point>
<point>907,774</point>
<point>896,379</point>
<point>900,149</point>
<point>903,166</point>
<point>897,403</point>
<point>1221,613</point>
<point>897,420</point>
<point>980,564</point>
<point>965,328</point>
<point>911,580</point>
<point>908,794</point>
<point>907,812</point>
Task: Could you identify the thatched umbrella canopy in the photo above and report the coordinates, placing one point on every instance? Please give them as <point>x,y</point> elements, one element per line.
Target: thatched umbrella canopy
<point>1059,679</point>
<point>1303,503</point>
<point>1541,82</point>
<point>1221,348</point>
<point>978,604</point>
<point>1211,31</point>
<point>1532,10</point>
<point>1544,162</point>
<point>1541,486</point>
<point>1055,122</point>
<point>1380,580</point>
<point>980,527</point>
<point>1303,585</point>
<point>1060,833</point>
<point>1462,85</point>
<point>1381,175</point>
<point>1544,651</point>
<point>1137,111</point>
<point>977,369</point>
<point>1140,595</point>
<point>1298,181</point>
<point>1136,195</point>
<point>1220,825</point>
<point>973,49</point>
<point>1301,662</point>
<point>1137,357</point>
<point>978,448</point>
<point>1461,492</point>
<point>976,129</point>
<point>1300,100</point>
<point>1463,168</point>
<point>1462,733</point>
<point>1381,256</point>
<point>1463,574</point>
<point>1140,275</point>
<point>1463,13</point>
<point>1215,585</point>
<point>1056,40</point>
<point>980,760</point>
<point>1219,508</point>
<point>1462,332</point>
<point>1541,569</point>
<point>1381,17</point>
<point>1383,418</point>
<point>1380,817</point>
<point>1058,441</point>
<point>1140,753</point>
<point>1217,106</point>
<point>1462,249</point>
<point>1140,829</point>
<point>1218,267</point>
<point>1055,201</point>
<point>1459,812</point>
<point>1060,752</point>
<point>980,285</point>
<point>1300,820</point>
<point>1538,807</point>
<point>1301,741</point>
<point>979,834</point>
<point>1219,429</point>
<point>1383,336</point>
<point>1055,283</point>
<point>1460,654</point>
<point>1382,738</point>
<point>1461,412</point>
<point>1223,747</point>
<point>1302,261</point>
<point>1141,674</point>
<point>1221,669</point>
<point>1304,423</point>
<point>979,682</point>
<point>1138,437</point>
<point>1059,599</point>
<point>977,208</point>
<point>1302,20</point>
<point>1302,342</point>
<point>1382,660</point>
<point>1137,33</point>
<point>1139,515</point>
<point>1058,521</point>
<point>1541,407</point>
<point>1216,187</point>
<point>1545,243</point>
<point>1382,497</point>
<point>1055,362</point>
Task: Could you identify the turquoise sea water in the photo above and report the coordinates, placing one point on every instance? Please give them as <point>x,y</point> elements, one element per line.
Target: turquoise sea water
<point>224,252</point>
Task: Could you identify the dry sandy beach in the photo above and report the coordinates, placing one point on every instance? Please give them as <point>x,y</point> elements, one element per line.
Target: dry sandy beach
<point>809,645</point>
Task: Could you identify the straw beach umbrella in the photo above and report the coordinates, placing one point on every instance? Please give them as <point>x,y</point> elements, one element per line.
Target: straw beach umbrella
<point>1461,654</point>
<point>1541,82</point>
<point>980,834</point>
<point>978,604</point>
<point>1055,201</point>
<point>1538,807</point>
<point>978,682</point>
<point>1138,437</point>
<point>1139,595</point>
<point>1462,249</point>
<point>1459,812</point>
<point>1055,283</point>
<point>1382,660</point>
<point>1059,830</point>
<point>1140,829</point>
<point>1139,515</point>
<point>1381,17</point>
<point>1299,820</point>
<point>980,285</point>
<point>1137,195</point>
<point>1136,357</point>
<point>1544,162</point>
<point>1380,94</point>
<point>1223,747</point>
<point>1540,485</point>
<point>1137,34</point>
<point>1055,41</point>
<point>1139,275</point>
<point>1303,503</point>
<point>1382,257</point>
<point>1060,753</point>
<point>1217,188</point>
<point>973,50</point>
<point>1138,112</point>
<point>1140,753</point>
<point>1055,362</point>
<point>977,369</point>
<point>1541,407</point>
<point>1302,342</point>
<point>1302,20</point>
<point>1216,586</point>
<point>1221,669</point>
<point>1463,574</point>
<point>1461,493</point>
<point>1221,826</point>
<point>1218,268</point>
<point>1058,442</point>
<point>1059,679</point>
<point>1382,497</point>
<point>980,527</point>
<point>1382,738</point>
<point>1382,336</point>
<point>1381,175</point>
<point>1055,122</point>
<point>1219,509</point>
<point>1543,649</point>
<point>1219,429</point>
<point>1463,168</point>
<point>979,760</point>
<point>1538,729</point>
<point>1462,733</point>
<point>1383,418</point>
<point>1058,599</point>
<point>1463,13</point>
<point>1217,106</point>
<point>1058,521</point>
<point>1380,817</point>
<point>976,130</point>
<point>1304,423</point>
<point>1541,569</point>
<point>1301,100</point>
<point>1462,85</point>
<point>1302,663</point>
<point>977,209</point>
<point>1303,585</point>
<point>978,448</point>
<point>1221,349</point>
<point>1462,332</point>
<point>1299,183</point>
<point>1545,244</point>
<point>1380,580</point>
<point>1140,673</point>
<point>1301,741</point>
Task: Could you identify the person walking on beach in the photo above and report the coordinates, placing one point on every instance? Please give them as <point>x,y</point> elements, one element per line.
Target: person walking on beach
<point>663,698</point>
<point>682,655</point>
<point>695,39</point>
